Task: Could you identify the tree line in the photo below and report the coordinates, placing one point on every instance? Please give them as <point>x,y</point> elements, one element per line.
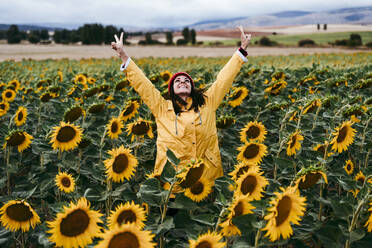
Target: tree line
<point>92,34</point>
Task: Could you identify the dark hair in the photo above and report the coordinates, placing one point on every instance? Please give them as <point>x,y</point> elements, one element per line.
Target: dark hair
<point>197,96</point>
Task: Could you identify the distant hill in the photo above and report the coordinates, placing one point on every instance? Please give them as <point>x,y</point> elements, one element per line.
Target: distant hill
<point>25,27</point>
<point>359,15</point>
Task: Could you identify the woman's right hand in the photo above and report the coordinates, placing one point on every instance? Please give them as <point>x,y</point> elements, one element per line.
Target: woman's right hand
<point>119,47</point>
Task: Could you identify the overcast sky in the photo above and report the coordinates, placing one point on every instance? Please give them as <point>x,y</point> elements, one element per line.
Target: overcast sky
<point>153,13</point>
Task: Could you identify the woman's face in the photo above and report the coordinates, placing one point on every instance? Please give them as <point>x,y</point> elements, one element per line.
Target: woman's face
<point>182,85</point>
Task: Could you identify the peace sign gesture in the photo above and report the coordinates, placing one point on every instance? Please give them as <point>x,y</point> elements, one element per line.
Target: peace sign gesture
<point>245,39</point>
<point>119,47</point>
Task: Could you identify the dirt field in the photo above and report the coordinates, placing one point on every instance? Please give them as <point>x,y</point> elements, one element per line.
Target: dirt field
<point>39,52</point>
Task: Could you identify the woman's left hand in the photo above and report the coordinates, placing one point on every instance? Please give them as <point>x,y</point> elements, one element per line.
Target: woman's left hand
<point>245,39</point>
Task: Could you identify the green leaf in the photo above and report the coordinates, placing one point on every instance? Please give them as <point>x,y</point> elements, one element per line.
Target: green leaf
<point>183,202</point>
<point>151,192</point>
<point>207,219</point>
<point>283,162</point>
<point>168,172</point>
<point>172,158</point>
<point>243,222</point>
<point>165,226</point>
<point>356,235</point>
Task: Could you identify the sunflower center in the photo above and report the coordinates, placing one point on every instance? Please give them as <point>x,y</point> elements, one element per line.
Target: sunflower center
<point>349,167</point>
<point>293,141</point>
<point>128,110</point>
<point>248,185</point>
<point>140,128</point>
<point>66,134</point>
<point>75,223</point>
<point>197,188</point>
<point>237,95</point>
<point>342,134</point>
<point>251,151</point>
<point>124,240</point>
<point>19,212</point>
<point>8,94</point>
<point>238,209</point>
<point>283,208</point>
<point>193,175</point>
<point>66,182</point>
<point>114,127</point>
<point>2,106</point>
<point>253,132</point>
<point>242,170</point>
<point>204,244</point>
<point>321,149</point>
<point>126,216</point>
<point>120,163</point>
<point>16,139</point>
<point>310,180</point>
<point>73,114</point>
<point>20,116</point>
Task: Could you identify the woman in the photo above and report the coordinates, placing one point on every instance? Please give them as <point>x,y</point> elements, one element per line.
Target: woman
<point>186,124</point>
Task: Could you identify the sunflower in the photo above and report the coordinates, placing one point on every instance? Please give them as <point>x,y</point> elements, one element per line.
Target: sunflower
<point>166,76</point>
<point>121,165</point>
<point>237,96</point>
<point>293,116</point>
<point>253,131</point>
<point>349,167</point>
<point>207,240</point>
<point>287,207</point>
<point>17,215</point>
<point>354,192</point>
<point>251,184</point>
<point>65,182</point>
<point>91,80</point>
<point>191,173</point>
<point>360,177</point>
<point>74,113</point>
<point>140,127</point>
<point>275,87</point>
<point>294,143</point>
<point>369,221</point>
<point>344,136</point>
<point>252,153</point>
<point>20,116</point>
<point>114,128</point>
<point>4,107</point>
<point>240,206</point>
<point>322,148</point>
<point>239,170</point>
<point>8,95</point>
<point>96,108</point>
<point>129,111</point>
<point>66,136</point>
<point>225,121</point>
<point>76,226</point>
<point>47,96</point>
<point>310,107</point>
<point>15,84</point>
<point>80,78</point>
<point>354,119</point>
<point>20,139</point>
<point>199,190</point>
<point>127,213</point>
<point>310,177</point>
<point>127,235</point>
<point>60,76</point>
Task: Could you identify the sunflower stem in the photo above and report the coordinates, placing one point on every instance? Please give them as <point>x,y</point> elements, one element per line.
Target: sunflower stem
<point>109,198</point>
<point>38,118</point>
<point>219,219</point>
<point>257,238</point>
<point>7,151</point>
<point>320,204</point>
<point>367,157</point>
<point>316,117</point>
<point>167,200</point>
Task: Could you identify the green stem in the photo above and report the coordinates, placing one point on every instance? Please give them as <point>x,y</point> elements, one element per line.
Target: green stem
<point>7,151</point>
<point>166,201</point>
<point>367,157</point>
<point>219,218</point>
<point>316,117</point>
<point>109,198</point>
<point>258,236</point>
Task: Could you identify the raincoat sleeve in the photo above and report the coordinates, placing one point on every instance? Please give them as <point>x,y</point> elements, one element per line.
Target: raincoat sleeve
<point>224,80</point>
<point>150,95</point>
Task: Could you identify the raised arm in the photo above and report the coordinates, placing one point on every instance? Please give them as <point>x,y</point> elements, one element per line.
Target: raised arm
<point>226,76</point>
<point>138,80</point>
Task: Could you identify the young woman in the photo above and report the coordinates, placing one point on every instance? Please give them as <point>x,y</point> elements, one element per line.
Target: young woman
<point>186,124</point>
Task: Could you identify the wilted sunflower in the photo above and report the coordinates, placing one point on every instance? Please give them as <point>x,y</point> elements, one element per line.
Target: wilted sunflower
<point>65,182</point>
<point>4,107</point>
<point>127,235</point>
<point>251,184</point>
<point>240,206</point>
<point>114,128</point>
<point>207,240</point>
<point>76,226</point>
<point>73,114</point>
<point>349,167</point>
<point>252,153</point>
<point>20,116</point>
<point>17,215</point>
<point>15,84</point>
<point>199,190</point>
<point>66,136</point>
<point>294,143</point>
<point>121,165</point>
<point>287,207</point>
<point>237,96</point>
<point>140,127</point>
<point>225,121</point>
<point>96,108</point>
<point>129,111</point>
<point>253,131</point>
<point>310,107</point>
<point>239,170</point>
<point>369,221</point>
<point>20,139</point>
<point>8,95</point>
<point>344,136</point>
<point>310,176</point>
<point>360,177</point>
<point>127,213</point>
<point>191,173</point>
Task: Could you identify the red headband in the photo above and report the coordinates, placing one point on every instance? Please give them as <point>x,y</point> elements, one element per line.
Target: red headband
<point>177,74</point>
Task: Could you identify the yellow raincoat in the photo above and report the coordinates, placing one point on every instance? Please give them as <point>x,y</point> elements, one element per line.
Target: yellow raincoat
<point>191,134</point>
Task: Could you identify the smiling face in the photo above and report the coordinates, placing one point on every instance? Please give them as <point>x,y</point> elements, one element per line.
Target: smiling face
<point>182,86</point>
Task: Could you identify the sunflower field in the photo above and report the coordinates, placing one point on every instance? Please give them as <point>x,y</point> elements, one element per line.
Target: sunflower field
<point>78,150</point>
